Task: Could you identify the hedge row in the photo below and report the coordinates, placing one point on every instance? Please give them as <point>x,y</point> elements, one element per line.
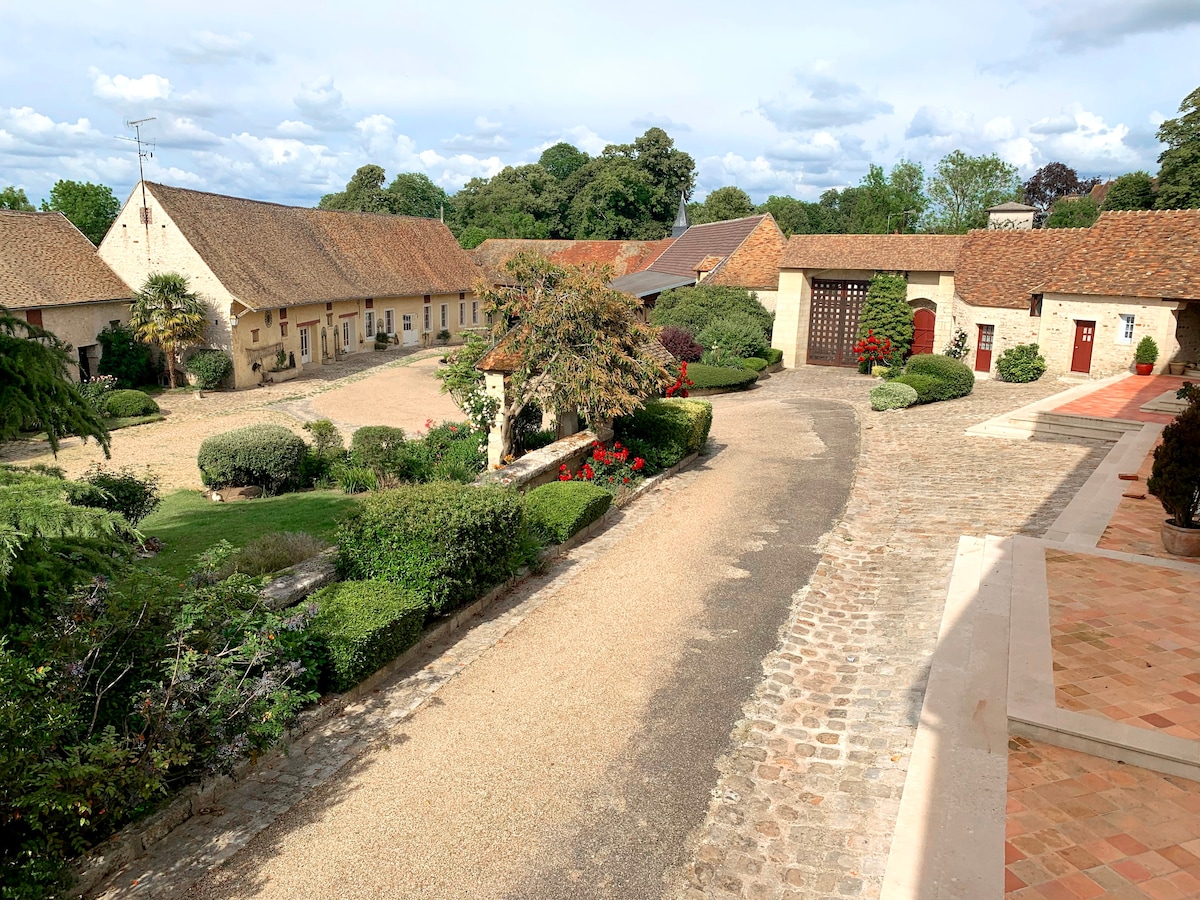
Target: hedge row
<point>363,625</point>
<point>665,431</point>
<point>703,376</point>
<point>559,510</point>
<point>956,378</point>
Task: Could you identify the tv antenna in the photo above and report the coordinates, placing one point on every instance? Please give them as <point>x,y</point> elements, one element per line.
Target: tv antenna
<point>143,153</point>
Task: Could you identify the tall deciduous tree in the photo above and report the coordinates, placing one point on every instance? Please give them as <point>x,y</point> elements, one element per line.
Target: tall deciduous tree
<point>580,344</point>
<point>165,312</point>
<point>800,216</point>
<point>721,205</point>
<point>886,203</point>
<point>518,202</point>
<point>964,187</point>
<point>1132,191</point>
<point>92,208</point>
<point>14,198</point>
<point>562,160</point>
<point>1179,172</point>
<point>35,386</point>
<point>364,193</point>
<point>1080,213</point>
<point>415,194</point>
<point>1051,183</point>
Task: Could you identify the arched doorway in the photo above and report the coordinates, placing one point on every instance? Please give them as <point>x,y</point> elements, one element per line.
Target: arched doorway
<point>924,321</point>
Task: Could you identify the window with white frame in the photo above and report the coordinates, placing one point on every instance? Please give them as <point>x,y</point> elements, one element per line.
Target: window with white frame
<point>1125,332</point>
<point>445,316</point>
<point>428,319</point>
<point>369,322</point>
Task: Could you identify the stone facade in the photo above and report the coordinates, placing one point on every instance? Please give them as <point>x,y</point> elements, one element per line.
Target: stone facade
<point>79,324</point>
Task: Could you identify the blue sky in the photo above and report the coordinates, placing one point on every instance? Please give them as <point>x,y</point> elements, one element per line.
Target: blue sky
<point>283,101</point>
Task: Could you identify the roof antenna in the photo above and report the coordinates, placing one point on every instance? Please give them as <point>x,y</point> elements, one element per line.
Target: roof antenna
<point>136,125</point>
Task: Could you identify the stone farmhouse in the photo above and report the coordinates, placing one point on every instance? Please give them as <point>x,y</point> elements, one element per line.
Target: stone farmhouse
<point>51,275</point>
<point>1086,296</point>
<point>303,285</point>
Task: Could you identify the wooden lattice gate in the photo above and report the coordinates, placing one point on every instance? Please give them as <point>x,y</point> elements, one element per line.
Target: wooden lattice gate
<point>833,321</point>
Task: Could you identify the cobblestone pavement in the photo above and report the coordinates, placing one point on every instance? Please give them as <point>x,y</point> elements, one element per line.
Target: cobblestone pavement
<point>808,797</point>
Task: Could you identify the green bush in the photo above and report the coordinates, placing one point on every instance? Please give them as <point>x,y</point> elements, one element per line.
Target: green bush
<point>703,376</point>
<point>773,356</point>
<point>558,510</point>
<point>210,367</point>
<point>665,431</point>
<point>125,358</point>
<point>272,553</point>
<point>1175,476</point>
<point>124,492</point>
<point>1021,364</point>
<point>129,404</point>
<point>957,377</point>
<point>446,541</point>
<point>379,448</point>
<point>754,364</point>
<point>266,456</point>
<point>364,625</point>
<point>538,440</point>
<point>741,334</point>
<point>720,358</point>
<point>886,313</point>
<point>695,308</point>
<point>926,386</point>
<point>892,395</point>
<point>354,479</point>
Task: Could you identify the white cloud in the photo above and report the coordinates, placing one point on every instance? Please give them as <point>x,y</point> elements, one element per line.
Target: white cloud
<point>123,89</point>
<point>757,175</point>
<point>205,47</point>
<point>323,103</point>
<point>295,128</point>
<point>831,103</point>
<point>579,135</point>
<point>27,132</point>
<point>399,153</point>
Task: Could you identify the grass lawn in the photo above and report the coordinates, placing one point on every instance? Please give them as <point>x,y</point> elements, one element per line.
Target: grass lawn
<point>187,523</point>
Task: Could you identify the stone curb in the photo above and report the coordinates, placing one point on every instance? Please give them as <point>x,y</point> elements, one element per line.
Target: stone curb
<point>132,841</point>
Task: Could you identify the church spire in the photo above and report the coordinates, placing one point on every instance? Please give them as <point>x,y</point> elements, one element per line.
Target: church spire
<point>681,219</point>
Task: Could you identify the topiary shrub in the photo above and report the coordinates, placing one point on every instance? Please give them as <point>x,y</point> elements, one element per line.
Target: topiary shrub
<point>665,431</point>
<point>927,387</point>
<point>1175,476</point>
<point>754,364</point>
<point>886,313</point>
<point>773,356</point>
<point>703,376</point>
<point>739,334</point>
<point>364,625</point>
<point>129,404</point>
<point>892,395</point>
<point>558,510</point>
<point>1021,364</point>
<point>680,343</point>
<point>210,368</point>
<point>379,448</point>
<point>446,541</point>
<point>265,456</point>
<point>123,491</point>
<point>1146,351</point>
<point>957,377</point>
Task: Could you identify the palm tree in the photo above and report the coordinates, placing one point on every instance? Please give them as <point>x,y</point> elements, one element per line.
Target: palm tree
<point>166,313</point>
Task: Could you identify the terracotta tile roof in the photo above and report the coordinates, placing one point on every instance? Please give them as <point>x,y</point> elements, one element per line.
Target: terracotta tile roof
<point>881,252</point>
<point>624,257</point>
<point>1134,254</point>
<point>1004,268</point>
<point>708,263</point>
<point>713,239</point>
<point>46,261</point>
<point>268,255</point>
<point>755,263</point>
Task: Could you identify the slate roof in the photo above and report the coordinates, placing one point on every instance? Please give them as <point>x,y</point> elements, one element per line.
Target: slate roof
<point>878,252</point>
<point>46,261</point>
<point>643,284</point>
<point>1152,254</point>
<point>1004,268</point>
<point>268,255</point>
<point>713,239</point>
<point>623,257</point>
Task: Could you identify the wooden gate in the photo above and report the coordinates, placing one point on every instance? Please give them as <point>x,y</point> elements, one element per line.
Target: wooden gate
<point>1081,355</point>
<point>924,321</point>
<point>833,321</point>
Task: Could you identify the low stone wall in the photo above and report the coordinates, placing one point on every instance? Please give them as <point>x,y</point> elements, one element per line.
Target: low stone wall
<point>541,466</point>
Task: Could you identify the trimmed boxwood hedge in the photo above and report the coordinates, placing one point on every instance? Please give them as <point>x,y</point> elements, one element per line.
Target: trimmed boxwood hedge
<point>445,540</point>
<point>210,368</point>
<point>957,379</point>
<point>927,387</point>
<point>558,510</point>
<point>266,456</point>
<point>773,356</point>
<point>129,404</point>
<point>364,625</point>
<point>703,376</point>
<point>664,431</point>
<point>754,364</point>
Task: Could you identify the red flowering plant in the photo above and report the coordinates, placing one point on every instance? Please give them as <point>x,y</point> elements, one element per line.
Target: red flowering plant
<point>682,383</point>
<point>611,468</point>
<point>873,350</point>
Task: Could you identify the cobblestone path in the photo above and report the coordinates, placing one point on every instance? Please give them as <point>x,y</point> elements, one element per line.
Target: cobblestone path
<point>808,797</point>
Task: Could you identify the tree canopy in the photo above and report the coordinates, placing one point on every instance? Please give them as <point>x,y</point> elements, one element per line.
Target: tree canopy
<point>1078,213</point>
<point>415,194</point>
<point>562,160</point>
<point>965,187</point>
<point>1051,183</point>
<point>92,208</point>
<point>1179,172</point>
<point>364,193</point>
<point>720,205</point>
<point>14,198</point>
<point>1132,191</point>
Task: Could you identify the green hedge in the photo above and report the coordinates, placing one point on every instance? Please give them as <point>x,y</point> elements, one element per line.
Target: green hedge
<point>129,404</point>
<point>892,395</point>
<point>211,368</point>
<point>957,378</point>
<point>704,376</point>
<point>754,364</point>
<point>268,456</point>
<point>926,386</point>
<point>773,356</point>
<point>445,540</point>
<point>378,447</point>
<point>558,510</point>
<point>363,625</point>
<point>665,431</point>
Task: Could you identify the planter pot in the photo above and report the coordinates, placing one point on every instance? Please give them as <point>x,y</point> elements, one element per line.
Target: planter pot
<point>283,375</point>
<point>1180,541</point>
<point>1176,368</point>
<point>1144,368</point>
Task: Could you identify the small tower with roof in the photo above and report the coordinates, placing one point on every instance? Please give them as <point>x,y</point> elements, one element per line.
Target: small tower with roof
<point>681,218</point>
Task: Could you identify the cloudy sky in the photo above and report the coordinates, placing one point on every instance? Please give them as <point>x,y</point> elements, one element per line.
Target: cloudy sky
<point>283,101</point>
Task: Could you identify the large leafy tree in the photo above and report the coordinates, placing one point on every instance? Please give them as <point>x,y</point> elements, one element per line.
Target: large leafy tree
<point>364,193</point>
<point>886,203</point>
<point>519,202</point>
<point>562,160</point>
<point>1134,190</point>
<point>35,387</point>
<point>1079,213</point>
<point>1051,183</point>
<point>92,208</point>
<point>801,217</point>
<point>14,198</point>
<point>964,187</point>
<point>721,205</point>
<point>415,194</point>
<point>167,313</point>
<point>579,344</point>
<point>1179,172</point>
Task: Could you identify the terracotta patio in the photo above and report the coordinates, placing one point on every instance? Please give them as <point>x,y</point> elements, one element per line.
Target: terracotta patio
<point>1125,398</point>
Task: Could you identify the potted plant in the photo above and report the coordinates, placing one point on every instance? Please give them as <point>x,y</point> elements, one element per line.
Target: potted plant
<point>1145,356</point>
<point>1175,481</point>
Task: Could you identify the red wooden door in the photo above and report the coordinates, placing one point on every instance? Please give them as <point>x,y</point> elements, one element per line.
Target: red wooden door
<point>1081,356</point>
<point>923,322</point>
<point>983,348</point>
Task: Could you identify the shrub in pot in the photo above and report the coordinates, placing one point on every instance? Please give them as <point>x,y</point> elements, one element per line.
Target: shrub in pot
<point>1145,355</point>
<point>1175,481</point>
